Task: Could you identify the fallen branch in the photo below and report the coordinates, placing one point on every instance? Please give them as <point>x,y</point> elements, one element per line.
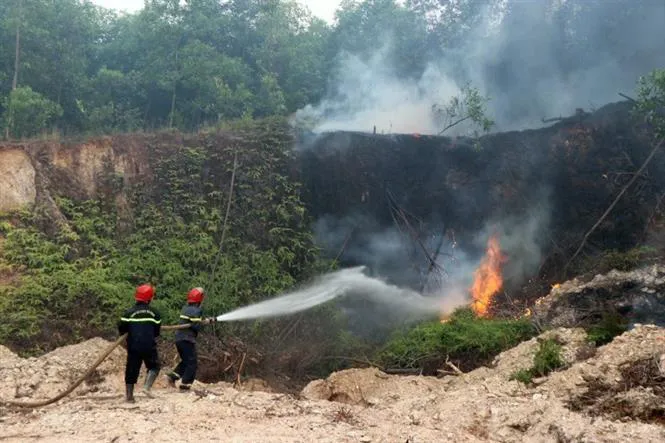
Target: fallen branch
<point>402,371</point>
<point>628,98</point>
<point>242,365</point>
<point>553,119</point>
<point>614,203</point>
<point>452,366</point>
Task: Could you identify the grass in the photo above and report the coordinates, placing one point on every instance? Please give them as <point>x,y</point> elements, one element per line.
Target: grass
<point>547,359</point>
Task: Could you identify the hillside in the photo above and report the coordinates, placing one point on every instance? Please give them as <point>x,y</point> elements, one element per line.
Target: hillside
<point>105,204</point>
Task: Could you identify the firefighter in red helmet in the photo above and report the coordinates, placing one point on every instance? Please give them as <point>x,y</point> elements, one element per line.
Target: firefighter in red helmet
<point>185,340</point>
<point>142,324</point>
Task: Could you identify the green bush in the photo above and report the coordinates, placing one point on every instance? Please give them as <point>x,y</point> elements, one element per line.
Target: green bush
<point>603,332</point>
<point>548,358</point>
<point>27,112</point>
<point>465,338</point>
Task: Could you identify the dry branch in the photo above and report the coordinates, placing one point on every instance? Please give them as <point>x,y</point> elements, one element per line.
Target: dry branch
<point>628,98</point>
<point>240,368</point>
<point>614,203</point>
<point>455,123</point>
<point>226,217</point>
<point>452,366</point>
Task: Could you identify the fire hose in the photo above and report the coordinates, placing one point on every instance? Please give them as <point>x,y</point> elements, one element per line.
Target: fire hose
<point>82,378</point>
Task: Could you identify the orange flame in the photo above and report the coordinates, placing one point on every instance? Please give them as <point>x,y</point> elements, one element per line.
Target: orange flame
<point>487,280</point>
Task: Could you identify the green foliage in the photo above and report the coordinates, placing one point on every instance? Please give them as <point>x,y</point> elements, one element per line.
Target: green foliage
<point>548,358</point>
<point>523,375</point>
<point>190,64</point>
<point>28,112</point>
<point>610,326</point>
<point>470,105</point>
<point>78,269</point>
<point>466,337</point>
<point>651,100</point>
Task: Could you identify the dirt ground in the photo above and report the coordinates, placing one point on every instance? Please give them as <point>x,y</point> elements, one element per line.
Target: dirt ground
<point>357,405</point>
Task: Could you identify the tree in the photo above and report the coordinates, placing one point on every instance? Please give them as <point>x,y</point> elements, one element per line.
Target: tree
<point>365,27</point>
<point>27,112</point>
<point>651,100</point>
<point>470,106</point>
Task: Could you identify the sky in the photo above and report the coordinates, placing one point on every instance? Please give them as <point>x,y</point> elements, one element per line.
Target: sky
<point>324,9</point>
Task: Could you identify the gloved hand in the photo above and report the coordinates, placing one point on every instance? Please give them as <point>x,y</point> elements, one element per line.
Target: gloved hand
<point>209,320</point>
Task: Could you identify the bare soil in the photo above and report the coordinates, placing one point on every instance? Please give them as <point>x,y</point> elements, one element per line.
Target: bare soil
<point>356,405</point>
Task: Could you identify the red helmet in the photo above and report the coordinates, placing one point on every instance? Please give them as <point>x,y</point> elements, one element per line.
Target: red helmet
<point>195,295</point>
<point>144,293</point>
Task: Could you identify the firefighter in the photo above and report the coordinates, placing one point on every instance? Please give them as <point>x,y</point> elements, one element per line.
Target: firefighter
<point>185,340</point>
<point>142,324</point>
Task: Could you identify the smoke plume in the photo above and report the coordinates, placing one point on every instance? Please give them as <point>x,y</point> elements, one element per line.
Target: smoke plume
<point>370,95</point>
<point>531,59</point>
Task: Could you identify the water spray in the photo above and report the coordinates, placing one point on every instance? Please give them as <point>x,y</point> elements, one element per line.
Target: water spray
<point>347,282</point>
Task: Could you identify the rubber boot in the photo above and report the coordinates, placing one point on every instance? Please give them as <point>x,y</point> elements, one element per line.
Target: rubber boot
<point>171,378</point>
<point>149,380</point>
<point>129,393</point>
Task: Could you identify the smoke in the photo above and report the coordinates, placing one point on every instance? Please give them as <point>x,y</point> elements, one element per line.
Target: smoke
<point>369,94</point>
<point>533,64</point>
<point>536,65</point>
<point>534,59</point>
<point>523,239</point>
<point>392,254</point>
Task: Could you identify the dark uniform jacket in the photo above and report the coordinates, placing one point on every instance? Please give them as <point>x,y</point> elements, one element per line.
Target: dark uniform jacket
<point>142,323</point>
<point>190,314</point>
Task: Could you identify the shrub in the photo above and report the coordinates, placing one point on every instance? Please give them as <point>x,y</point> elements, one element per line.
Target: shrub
<point>610,326</point>
<point>626,260</point>
<point>465,338</point>
<point>548,358</point>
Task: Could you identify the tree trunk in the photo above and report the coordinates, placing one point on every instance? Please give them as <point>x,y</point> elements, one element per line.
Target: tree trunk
<point>18,48</point>
<point>17,54</point>
<point>175,84</point>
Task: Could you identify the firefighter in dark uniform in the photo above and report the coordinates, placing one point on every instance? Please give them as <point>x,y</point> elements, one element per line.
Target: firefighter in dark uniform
<point>142,324</point>
<point>185,340</point>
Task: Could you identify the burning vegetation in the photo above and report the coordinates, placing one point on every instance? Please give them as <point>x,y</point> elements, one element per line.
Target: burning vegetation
<point>488,280</point>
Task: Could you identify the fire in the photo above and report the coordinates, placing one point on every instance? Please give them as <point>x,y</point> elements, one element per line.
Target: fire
<point>556,286</point>
<point>445,318</point>
<point>487,280</point>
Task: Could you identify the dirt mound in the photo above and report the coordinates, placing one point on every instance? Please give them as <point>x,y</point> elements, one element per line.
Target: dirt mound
<point>367,387</point>
<point>45,376</point>
<point>6,355</point>
<point>573,342</point>
<point>615,395</point>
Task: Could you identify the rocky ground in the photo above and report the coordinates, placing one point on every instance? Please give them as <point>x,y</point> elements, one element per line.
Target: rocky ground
<point>638,295</point>
<point>614,394</point>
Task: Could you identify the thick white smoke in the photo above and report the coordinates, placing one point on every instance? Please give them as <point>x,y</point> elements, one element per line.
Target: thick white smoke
<point>369,95</point>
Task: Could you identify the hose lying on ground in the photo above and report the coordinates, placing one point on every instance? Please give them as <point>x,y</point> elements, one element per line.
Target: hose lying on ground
<point>82,378</point>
